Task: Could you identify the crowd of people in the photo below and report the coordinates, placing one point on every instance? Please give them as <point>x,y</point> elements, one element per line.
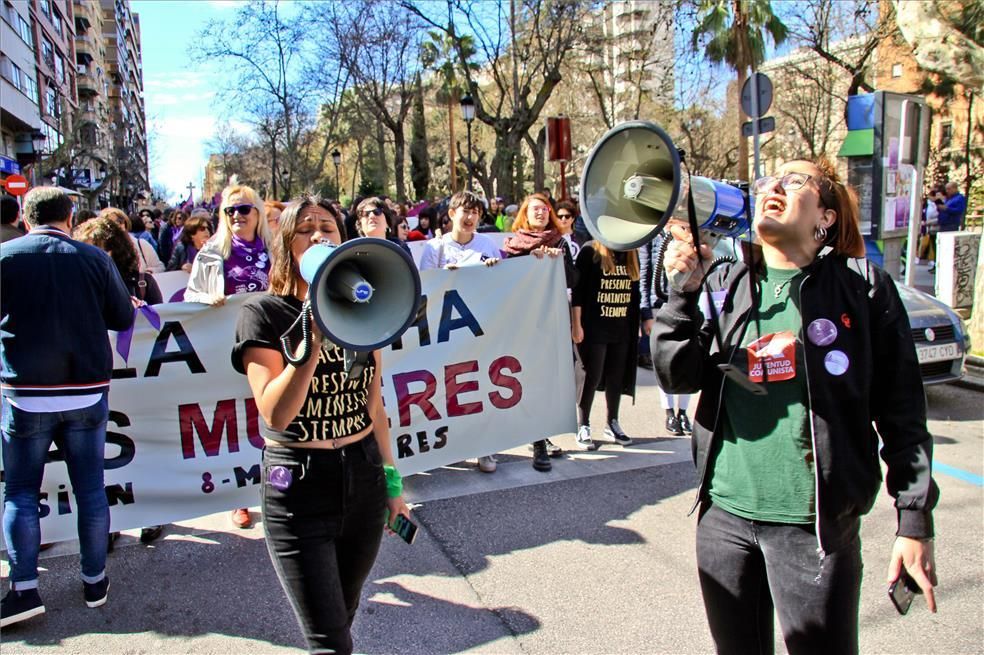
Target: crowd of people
<point>784,477</point>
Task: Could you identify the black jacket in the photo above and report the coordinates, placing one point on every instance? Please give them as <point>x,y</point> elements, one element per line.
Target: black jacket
<point>882,384</point>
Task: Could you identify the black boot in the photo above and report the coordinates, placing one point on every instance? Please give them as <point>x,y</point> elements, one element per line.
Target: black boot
<point>673,426</point>
<point>541,460</point>
<point>684,423</point>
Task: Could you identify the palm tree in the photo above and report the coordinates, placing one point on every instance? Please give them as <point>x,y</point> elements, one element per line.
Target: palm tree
<point>734,31</point>
<point>440,55</point>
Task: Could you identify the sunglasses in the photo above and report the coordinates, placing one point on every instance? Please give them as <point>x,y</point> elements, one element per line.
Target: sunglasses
<point>565,217</point>
<point>243,210</point>
<point>372,212</point>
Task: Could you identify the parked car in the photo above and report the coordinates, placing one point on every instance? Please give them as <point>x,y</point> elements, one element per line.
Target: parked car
<point>942,343</point>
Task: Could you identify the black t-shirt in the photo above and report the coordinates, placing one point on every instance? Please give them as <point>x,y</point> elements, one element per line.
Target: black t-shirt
<point>335,406</point>
<point>608,302</point>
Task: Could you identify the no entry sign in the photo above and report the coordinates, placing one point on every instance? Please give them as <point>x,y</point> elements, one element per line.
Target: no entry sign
<point>16,185</point>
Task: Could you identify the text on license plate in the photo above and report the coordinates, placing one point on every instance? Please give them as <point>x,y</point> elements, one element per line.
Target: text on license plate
<point>937,352</point>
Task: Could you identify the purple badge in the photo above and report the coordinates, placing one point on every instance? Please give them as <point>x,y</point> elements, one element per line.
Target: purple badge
<point>280,477</point>
<point>821,332</point>
<point>836,362</point>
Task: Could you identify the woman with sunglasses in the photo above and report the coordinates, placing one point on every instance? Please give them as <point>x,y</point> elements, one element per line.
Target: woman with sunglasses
<point>536,231</point>
<point>328,475</point>
<point>566,213</point>
<point>194,235</point>
<point>235,260</point>
<point>372,218</point>
<point>785,477</point>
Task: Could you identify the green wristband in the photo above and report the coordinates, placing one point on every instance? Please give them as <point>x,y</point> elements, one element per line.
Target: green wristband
<point>394,482</point>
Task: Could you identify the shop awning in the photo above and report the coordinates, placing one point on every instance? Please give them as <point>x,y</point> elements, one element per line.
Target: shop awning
<point>859,143</point>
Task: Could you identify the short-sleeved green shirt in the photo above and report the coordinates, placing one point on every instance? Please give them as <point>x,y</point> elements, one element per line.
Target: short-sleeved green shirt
<point>762,468</point>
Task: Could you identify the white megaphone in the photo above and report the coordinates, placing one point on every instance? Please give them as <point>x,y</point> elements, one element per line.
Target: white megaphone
<point>634,182</point>
<point>363,294</point>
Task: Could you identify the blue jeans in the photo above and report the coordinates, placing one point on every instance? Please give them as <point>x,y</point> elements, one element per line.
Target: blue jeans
<point>747,569</point>
<point>80,435</point>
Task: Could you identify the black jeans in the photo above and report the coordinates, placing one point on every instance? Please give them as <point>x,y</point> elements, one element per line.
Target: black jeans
<point>323,533</point>
<point>748,568</point>
<point>602,361</point>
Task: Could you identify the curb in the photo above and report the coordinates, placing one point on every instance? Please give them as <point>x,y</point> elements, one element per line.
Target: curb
<point>974,379</point>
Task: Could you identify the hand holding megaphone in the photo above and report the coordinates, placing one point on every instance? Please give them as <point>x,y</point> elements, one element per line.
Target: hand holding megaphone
<point>684,269</point>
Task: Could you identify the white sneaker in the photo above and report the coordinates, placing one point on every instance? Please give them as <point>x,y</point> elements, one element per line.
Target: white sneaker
<point>583,438</point>
<point>614,431</point>
<point>487,464</point>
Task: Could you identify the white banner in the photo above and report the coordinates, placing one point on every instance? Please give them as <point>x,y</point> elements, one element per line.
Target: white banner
<point>489,368</point>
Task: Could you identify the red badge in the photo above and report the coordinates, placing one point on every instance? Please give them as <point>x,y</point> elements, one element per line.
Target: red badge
<point>846,320</point>
<point>777,353</point>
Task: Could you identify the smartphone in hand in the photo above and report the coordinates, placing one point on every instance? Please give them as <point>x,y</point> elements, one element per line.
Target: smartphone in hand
<point>405,528</point>
<point>902,591</point>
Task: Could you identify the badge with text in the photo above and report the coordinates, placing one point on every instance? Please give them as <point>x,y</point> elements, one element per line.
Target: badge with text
<point>821,332</point>
<point>776,353</point>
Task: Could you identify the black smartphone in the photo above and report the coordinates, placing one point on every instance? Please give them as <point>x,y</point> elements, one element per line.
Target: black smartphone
<point>406,528</point>
<point>902,591</point>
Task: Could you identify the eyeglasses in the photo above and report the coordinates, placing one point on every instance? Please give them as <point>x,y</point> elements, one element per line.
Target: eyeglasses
<point>565,217</point>
<point>788,182</point>
<point>539,209</point>
<point>372,212</point>
<point>243,210</point>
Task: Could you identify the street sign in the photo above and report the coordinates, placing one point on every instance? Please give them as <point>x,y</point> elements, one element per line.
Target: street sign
<point>764,95</point>
<point>16,185</point>
<point>766,124</point>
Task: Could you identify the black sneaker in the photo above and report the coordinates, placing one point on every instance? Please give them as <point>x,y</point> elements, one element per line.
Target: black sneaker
<point>684,423</point>
<point>19,606</point>
<point>541,460</point>
<point>96,593</point>
<point>645,361</point>
<point>553,450</point>
<point>673,426</point>
<point>615,432</point>
<point>151,533</point>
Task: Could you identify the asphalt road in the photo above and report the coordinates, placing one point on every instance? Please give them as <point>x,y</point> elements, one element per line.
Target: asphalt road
<point>596,556</point>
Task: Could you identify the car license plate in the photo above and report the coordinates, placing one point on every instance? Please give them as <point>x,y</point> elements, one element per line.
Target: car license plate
<point>937,352</point>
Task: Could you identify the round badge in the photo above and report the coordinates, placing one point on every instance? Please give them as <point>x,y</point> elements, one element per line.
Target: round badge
<point>280,477</point>
<point>821,332</point>
<point>836,362</point>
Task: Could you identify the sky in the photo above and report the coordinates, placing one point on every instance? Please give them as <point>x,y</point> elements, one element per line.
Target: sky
<point>179,98</point>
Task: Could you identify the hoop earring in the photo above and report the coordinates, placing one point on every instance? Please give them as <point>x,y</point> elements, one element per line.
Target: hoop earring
<point>820,233</point>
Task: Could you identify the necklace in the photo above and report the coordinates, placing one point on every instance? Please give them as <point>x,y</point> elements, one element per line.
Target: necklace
<point>780,286</point>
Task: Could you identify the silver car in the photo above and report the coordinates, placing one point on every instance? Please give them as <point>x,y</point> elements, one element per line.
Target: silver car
<point>942,343</point>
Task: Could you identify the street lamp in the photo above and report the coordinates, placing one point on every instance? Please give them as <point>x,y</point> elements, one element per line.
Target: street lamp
<point>336,158</point>
<point>468,114</point>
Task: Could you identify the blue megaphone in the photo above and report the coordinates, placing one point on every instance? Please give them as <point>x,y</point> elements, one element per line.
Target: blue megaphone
<point>364,294</point>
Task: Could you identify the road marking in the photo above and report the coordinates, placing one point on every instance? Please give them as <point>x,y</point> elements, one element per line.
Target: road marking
<point>960,474</point>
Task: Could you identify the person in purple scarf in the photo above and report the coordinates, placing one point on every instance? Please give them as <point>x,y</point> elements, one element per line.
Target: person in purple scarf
<point>235,260</point>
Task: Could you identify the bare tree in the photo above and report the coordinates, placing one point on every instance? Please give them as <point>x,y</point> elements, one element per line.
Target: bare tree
<point>522,45</point>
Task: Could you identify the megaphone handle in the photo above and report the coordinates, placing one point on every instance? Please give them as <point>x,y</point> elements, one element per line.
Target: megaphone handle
<point>304,318</point>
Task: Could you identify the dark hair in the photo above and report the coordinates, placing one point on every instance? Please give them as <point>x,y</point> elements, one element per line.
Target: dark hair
<point>193,226</point>
<point>84,215</point>
<point>46,204</point>
<point>283,277</point>
<point>136,222</point>
<point>380,203</point>
<point>466,199</point>
<point>107,234</point>
<point>568,205</point>
<point>9,209</point>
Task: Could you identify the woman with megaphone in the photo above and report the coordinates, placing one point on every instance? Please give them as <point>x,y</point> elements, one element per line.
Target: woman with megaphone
<point>796,353</point>
<point>328,475</point>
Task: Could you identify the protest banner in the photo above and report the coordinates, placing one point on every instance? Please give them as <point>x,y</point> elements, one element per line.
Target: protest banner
<point>488,367</point>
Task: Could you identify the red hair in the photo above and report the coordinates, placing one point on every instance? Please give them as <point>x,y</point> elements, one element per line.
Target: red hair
<point>844,235</point>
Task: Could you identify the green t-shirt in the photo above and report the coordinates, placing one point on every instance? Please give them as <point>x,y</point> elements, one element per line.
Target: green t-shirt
<point>763,467</point>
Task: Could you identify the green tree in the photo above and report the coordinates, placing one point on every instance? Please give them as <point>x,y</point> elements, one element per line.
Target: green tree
<point>420,175</point>
<point>439,54</point>
<point>733,32</point>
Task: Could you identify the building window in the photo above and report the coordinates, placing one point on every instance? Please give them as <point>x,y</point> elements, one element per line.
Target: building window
<point>946,135</point>
<point>896,70</point>
<point>51,102</point>
<point>48,53</point>
<point>56,22</point>
<point>27,84</point>
<point>24,29</point>
<point>45,8</point>
<point>60,68</point>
